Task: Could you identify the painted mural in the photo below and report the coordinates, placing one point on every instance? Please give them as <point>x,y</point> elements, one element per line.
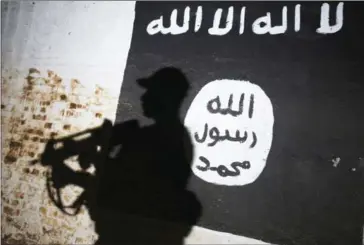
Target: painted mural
<point>275,95</point>
<point>183,122</point>
<point>260,26</point>
<point>237,133</point>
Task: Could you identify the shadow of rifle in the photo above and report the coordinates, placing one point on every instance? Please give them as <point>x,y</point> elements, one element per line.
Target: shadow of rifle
<point>91,147</point>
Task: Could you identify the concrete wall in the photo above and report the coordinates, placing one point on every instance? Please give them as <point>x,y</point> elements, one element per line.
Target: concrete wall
<point>59,76</point>
<point>62,71</point>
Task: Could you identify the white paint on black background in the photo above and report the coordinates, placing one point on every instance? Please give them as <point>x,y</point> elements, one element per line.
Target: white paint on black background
<point>198,18</point>
<point>157,25</point>
<point>325,27</point>
<point>216,29</point>
<point>242,21</point>
<point>261,26</point>
<point>302,78</point>
<point>231,126</point>
<point>297,17</point>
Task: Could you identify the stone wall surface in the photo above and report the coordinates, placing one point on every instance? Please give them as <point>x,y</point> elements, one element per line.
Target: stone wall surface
<point>41,106</point>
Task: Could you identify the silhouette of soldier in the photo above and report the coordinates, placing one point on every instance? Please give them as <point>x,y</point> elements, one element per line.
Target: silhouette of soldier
<point>139,193</point>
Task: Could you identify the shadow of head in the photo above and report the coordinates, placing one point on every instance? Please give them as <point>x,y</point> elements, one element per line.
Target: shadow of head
<point>165,90</point>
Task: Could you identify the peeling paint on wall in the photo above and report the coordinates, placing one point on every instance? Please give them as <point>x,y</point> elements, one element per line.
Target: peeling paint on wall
<point>59,76</point>
<point>44,106</point>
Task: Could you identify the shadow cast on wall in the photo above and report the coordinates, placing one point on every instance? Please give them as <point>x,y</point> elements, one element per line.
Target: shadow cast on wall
<point>139,195</point>
<point>138,191</point>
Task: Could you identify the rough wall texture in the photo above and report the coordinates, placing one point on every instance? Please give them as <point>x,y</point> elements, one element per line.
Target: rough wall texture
<point>36,106</point>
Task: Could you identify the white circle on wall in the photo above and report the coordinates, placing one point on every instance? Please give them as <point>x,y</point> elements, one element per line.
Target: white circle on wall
<point>231,127</point>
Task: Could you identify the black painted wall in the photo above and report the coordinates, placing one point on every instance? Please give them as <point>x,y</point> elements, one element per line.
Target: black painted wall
<point>316,85</point>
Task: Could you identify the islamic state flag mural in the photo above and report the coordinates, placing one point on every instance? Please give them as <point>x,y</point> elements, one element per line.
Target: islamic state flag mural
<point>267,98</point>
<point>275,95</point>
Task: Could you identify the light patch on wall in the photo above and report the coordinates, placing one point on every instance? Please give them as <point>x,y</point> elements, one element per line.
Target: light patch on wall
<point>231,125</point>
<point>86,44</point>
<point>87,40</point>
